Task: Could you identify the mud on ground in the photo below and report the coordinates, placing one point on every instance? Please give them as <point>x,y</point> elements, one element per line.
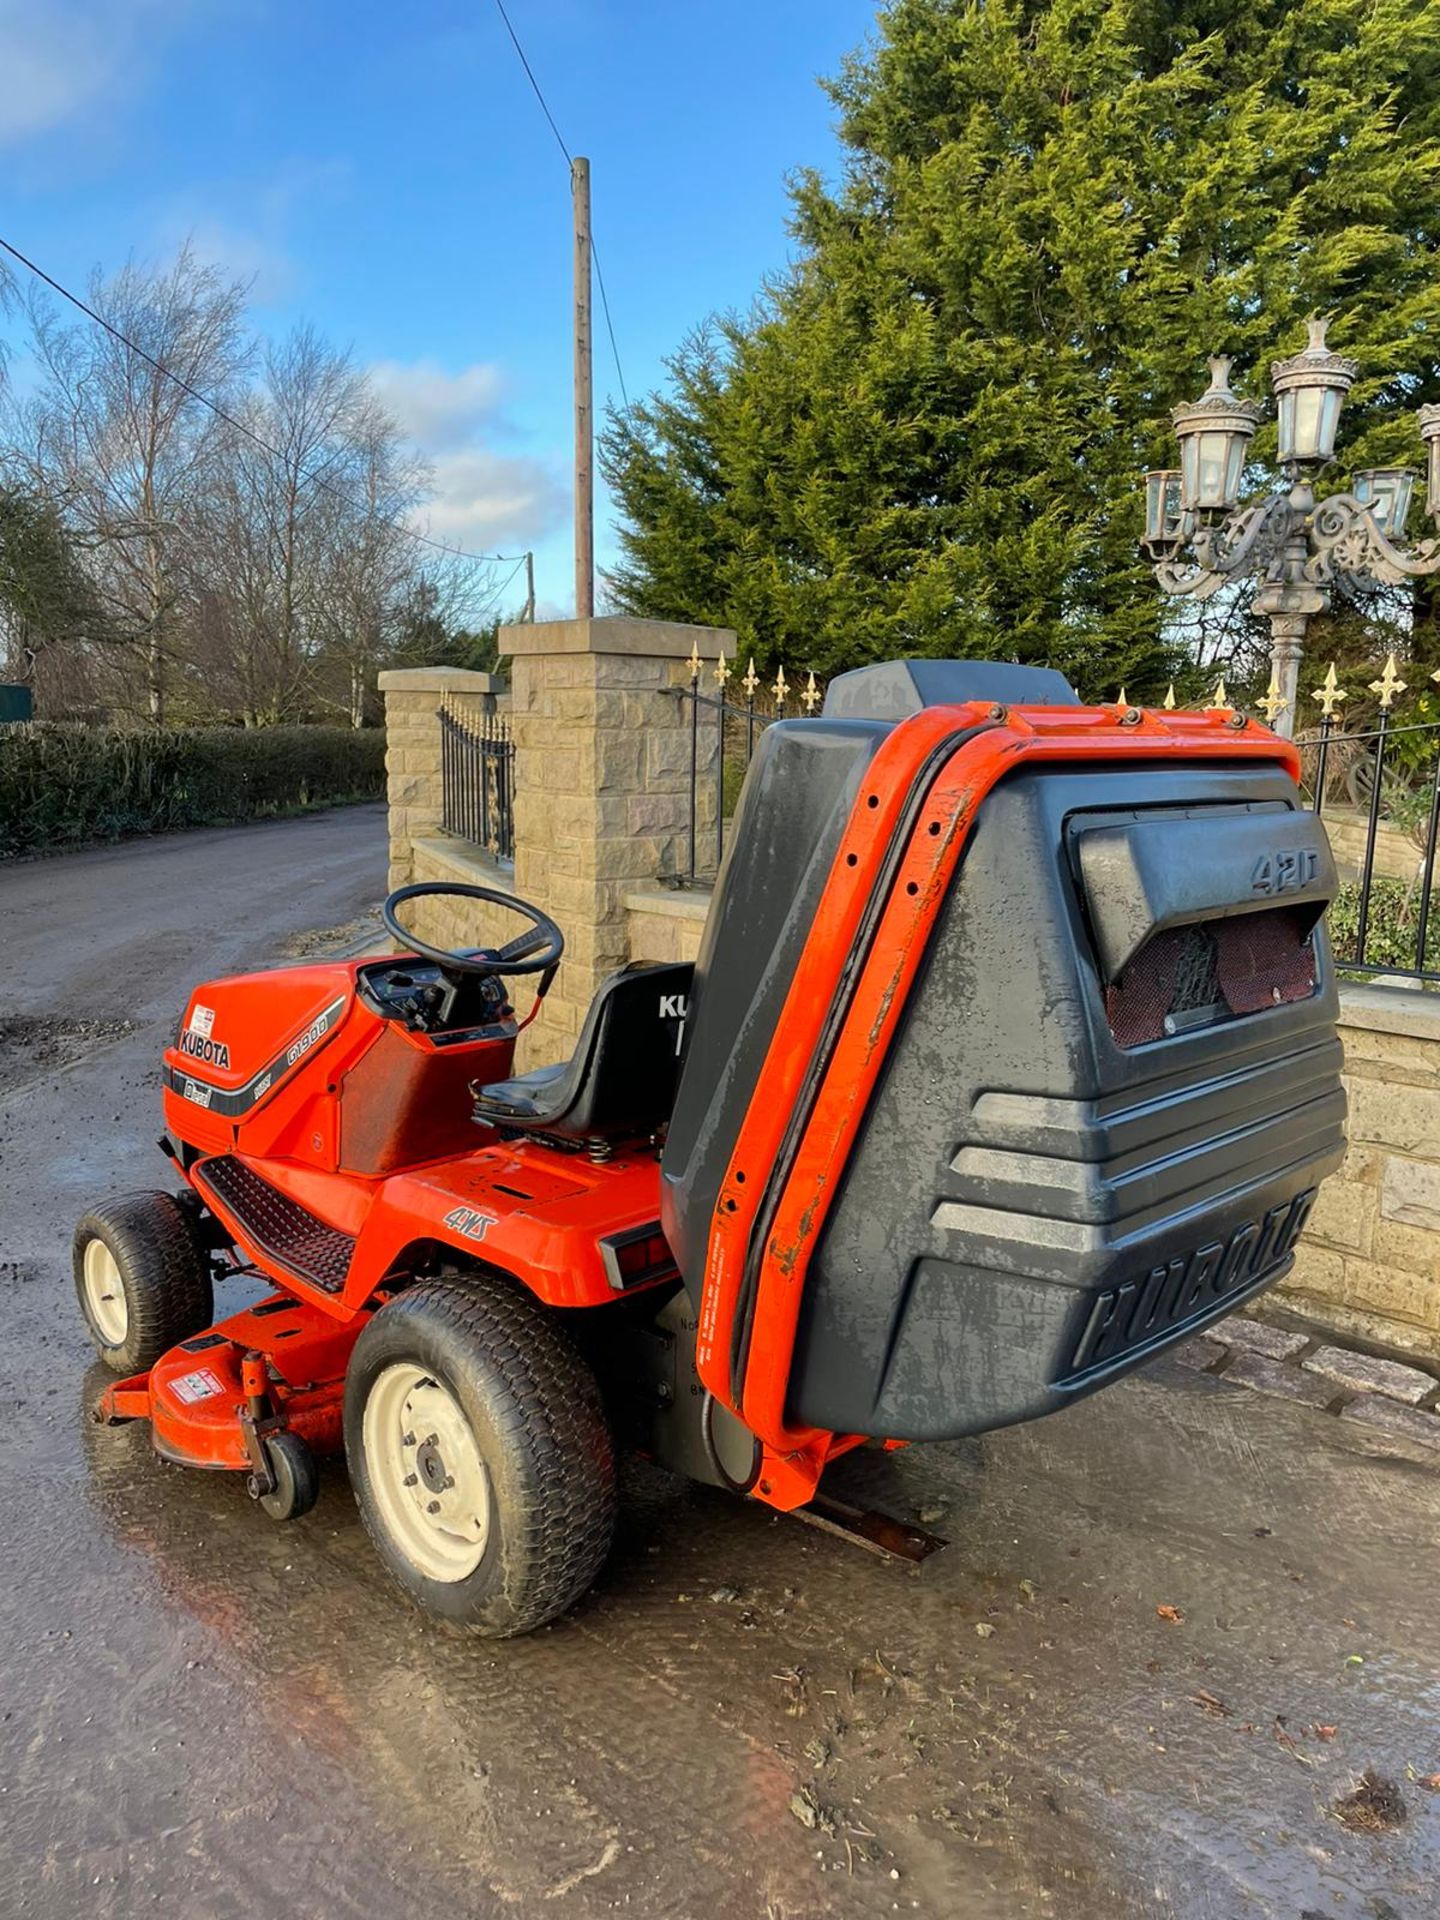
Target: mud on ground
<point>1180,1658</point>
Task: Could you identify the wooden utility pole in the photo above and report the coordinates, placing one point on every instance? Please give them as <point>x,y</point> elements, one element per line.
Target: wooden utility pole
<point>584,400</point>
<point>528,615</point>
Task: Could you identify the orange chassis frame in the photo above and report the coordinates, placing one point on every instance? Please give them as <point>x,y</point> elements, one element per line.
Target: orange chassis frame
<point>893,869</point>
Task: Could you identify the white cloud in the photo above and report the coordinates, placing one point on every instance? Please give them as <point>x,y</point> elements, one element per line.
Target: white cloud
<point>490,500</point>
<point>437,409</point>
<point>481,497</point>
<point>59,58</point>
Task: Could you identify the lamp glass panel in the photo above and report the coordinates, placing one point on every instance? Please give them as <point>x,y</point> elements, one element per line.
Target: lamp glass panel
<point>1307,423</point>
<point>1155,485</point>
<point>1285,424</point>
<point>1234,467</point>
<point>1214,458</point>
<point>1331,400</point>
<point>1174,509</point>
<point>1400,502</point>
<point>1190,470</point>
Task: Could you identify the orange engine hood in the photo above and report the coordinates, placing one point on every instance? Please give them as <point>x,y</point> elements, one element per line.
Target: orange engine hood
<point>242,1036</point>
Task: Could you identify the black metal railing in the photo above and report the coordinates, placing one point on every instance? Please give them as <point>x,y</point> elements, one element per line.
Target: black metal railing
<point>477,780</point>
<point>1378,789</point>
<point>1377,785</point>
<point>723,730</point>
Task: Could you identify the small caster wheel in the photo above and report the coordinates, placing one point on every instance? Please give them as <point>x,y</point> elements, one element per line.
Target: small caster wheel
<point>297,1480</point>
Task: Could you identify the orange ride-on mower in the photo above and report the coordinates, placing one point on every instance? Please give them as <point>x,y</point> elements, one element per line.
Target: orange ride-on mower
<point>1008,1060</point>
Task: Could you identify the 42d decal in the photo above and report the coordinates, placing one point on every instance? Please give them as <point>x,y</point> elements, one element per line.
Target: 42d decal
<point>467,1220</point>
<point>1285,872</point>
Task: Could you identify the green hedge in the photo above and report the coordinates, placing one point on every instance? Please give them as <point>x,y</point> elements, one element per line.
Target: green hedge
<point>1392,925</point>
<point>63,785</point>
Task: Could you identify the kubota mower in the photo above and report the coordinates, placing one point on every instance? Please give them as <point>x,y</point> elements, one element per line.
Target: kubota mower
<point>1008,1060</point>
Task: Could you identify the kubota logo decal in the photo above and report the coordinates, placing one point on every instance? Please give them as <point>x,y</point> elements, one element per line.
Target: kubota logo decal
<point>676,1006</point>
<point>214,1053</point>
<point>470,1222</point>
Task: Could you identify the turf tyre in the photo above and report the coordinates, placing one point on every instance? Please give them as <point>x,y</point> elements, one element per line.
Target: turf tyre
<point>534,1412</point>
<point>162,1271</point>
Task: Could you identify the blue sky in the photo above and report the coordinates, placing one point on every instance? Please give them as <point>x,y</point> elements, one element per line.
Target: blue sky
<point>385,171</point>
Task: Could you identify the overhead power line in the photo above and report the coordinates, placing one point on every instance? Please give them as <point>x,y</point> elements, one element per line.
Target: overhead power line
<point>569,161</point>
<point>535,84</point>
<point>221,413</point>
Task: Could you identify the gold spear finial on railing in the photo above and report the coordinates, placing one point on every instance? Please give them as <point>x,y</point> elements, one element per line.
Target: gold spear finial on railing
<point>1388,685</point>
<point>722,671</point>
<point>1219,701</point>
<point>1330,695</point>
<point>1274,702</point>
<point>812,696</point>
<point>780,688</point>
<point>751,680</point>
<point>1122,703</point>
<point>695,661</point>
<point>1169,701</point>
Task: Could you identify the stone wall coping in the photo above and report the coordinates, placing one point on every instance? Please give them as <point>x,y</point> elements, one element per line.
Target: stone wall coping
<point>441,680</point>
<point>470,865</point>
<point>669,900</point>
<point>1403,1010</point>
<point>645,639</point>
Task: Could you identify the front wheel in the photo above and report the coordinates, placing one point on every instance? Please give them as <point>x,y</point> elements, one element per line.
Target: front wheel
<point>480,1455</point>
<point>142,1279</point>
<point>297,1480</point>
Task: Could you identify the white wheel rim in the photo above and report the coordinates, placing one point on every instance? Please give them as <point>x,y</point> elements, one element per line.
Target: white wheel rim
<point>105,1294</point>
<point>426,1474</point>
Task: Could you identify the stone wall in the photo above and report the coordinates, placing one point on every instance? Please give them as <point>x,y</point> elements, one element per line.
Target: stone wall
<point>413,698</point>
<point>665,924</point>
<point>1369,1264</point>
<point>602,793</point>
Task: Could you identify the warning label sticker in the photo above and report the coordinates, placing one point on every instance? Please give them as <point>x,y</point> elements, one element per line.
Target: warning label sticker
<point>200,1385</point>
<point>202,1021</point>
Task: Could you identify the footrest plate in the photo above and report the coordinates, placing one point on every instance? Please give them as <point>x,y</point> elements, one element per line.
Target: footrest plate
<point>279,1227</point>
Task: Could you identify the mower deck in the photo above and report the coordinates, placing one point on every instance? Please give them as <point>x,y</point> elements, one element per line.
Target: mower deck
<point>197,1396</point>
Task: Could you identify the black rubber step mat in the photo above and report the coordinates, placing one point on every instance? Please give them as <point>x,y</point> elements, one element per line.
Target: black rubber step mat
<point>279,1226</point>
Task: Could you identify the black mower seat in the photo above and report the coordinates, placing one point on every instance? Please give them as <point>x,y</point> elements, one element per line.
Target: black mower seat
<point>620,1081</point>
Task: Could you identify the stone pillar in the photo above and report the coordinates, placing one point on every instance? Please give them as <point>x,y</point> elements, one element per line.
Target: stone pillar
<point>413,699</point>
<point>602,785</point>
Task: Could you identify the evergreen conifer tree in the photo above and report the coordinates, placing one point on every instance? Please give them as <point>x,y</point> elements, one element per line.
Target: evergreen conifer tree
<point>927,438</point>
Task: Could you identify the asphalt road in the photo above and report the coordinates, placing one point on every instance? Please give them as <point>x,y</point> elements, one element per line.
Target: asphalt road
<point>205,1714</point>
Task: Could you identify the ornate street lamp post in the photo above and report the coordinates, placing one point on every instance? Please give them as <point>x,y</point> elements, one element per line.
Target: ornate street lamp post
<point>1199,537</point>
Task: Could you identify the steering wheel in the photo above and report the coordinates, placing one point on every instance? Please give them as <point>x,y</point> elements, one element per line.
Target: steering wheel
<point>534,951</point>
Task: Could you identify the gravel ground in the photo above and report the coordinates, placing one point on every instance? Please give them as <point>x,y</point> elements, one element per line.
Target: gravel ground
<point>1180,1657</point>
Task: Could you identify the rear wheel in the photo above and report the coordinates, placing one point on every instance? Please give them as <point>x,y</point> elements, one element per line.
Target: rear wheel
<point>480,1455</point>
<point>142,1280</point>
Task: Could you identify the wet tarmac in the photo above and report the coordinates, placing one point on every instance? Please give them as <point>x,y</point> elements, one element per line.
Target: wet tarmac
<point>1174,1630</point>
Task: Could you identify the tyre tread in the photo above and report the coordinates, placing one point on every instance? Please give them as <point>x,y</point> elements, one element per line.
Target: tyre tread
<point>150,1235</point>
<point>544,1401</point>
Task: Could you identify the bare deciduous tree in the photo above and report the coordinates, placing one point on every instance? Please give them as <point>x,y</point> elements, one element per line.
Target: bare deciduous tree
<point>253,561</point>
